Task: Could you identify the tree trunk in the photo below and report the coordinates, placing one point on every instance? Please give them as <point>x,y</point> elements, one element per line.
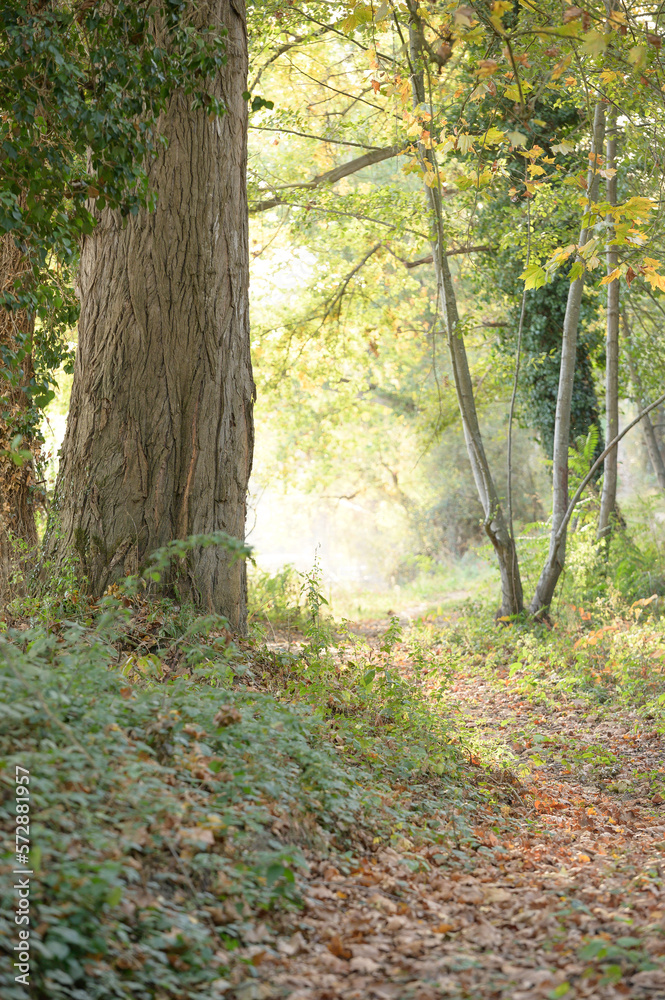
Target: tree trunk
<point>650,438</point>
<point>609,493</point>
<point>554,565</point>
<point>658,423</point>
<point>18,533</point>
<point>159,435</point>
<point>512,601</point>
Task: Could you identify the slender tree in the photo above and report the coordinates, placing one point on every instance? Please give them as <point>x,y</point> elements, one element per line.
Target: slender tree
<point>159,435</point>
<point>18,532</point>
<point>648,429</point>
<point>609,493</point>
<point>494,521</point>
<point>560,498</point>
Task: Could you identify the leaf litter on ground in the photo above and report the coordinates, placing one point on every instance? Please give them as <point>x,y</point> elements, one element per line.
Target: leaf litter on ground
<point>288,825</point>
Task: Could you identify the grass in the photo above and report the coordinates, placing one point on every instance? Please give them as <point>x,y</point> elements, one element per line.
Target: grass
<point>434,589</point>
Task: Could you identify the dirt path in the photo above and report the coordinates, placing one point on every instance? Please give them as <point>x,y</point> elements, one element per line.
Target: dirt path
<point>555,891</point>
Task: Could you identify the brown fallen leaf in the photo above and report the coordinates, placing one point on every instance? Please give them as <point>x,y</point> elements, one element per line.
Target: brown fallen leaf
<point>362,964</point>
<point>227,715</point>
<point>496,895</point>
<point>337,948</point>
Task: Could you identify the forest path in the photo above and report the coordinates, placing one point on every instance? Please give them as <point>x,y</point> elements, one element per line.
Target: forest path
<point>553,888</point>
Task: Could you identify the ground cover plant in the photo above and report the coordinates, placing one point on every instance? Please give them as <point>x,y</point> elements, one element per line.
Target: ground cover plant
<point>430,764</point>
<point>446,808</point>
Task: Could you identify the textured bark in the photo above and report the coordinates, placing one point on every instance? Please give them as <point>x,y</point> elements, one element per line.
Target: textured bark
<point>159,434</point>
<point>554,565</point>
<point>512,601</point>
<point>18,533</point>
<point>609,493</point>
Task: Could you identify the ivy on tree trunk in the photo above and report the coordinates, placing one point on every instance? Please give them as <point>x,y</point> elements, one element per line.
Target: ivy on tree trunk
<point>159,437</point>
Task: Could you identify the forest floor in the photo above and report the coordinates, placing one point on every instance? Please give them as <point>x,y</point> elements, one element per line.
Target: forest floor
<point>555,891</point>
<point>380,811</point>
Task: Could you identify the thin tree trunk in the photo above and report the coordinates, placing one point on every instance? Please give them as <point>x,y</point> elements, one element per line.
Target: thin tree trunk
<point>512,601</point>
<point>159,435</point>
<point>658,426</point>
<point>651,441</point>
<point>554,565</point>
<point>18,532</point>
<point>609,492</point>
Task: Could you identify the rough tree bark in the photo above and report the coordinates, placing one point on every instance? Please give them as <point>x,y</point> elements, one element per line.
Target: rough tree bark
<point>18,533</point>
<point>159,435</point>
<point>554,565</point>
<point>609,492</point>
<point>512,600</point>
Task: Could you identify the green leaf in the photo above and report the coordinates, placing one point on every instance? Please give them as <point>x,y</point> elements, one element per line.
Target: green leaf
<point>594,949</point>
<point>534,276</point>
<point>114,895</point>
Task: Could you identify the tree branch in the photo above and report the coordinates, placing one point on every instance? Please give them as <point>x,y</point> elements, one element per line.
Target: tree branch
<point>429,259</point>
<point>281,49</point>
<point>336,301</point>
<point>308,135</point>
<point>596,465</point>
<point>331,176</point>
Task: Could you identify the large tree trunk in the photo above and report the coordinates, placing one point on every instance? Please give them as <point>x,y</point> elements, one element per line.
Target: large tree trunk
<point>159,436</point>
<point>609,493</point>
<point>18,533</point>
<point>553,568</point>
<point>512,601</point>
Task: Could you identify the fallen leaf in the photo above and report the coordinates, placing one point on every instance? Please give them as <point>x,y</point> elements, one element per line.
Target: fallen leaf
<point>227,715</point>
<point>337,948</point>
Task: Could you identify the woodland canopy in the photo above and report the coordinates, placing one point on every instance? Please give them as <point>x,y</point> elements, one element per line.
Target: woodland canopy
<point>332,485</point>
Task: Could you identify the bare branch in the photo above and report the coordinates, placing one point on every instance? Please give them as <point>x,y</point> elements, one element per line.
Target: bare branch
<point>281,49</point>
<point>596,465</point>
<point>429,259</point>
<point>332,176</point>
<point>336,301</point>
<point>308,135</point>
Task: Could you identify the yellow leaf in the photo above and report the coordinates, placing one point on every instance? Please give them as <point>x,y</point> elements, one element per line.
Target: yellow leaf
<point>561,67</point>
<point>638,56</point>
<point>563,147</point>
<point>513,91</point>
<point>656,280</point>
<point>595,42</point>
<point>493,136</point>
<point>535,170</point>
<point>478,93</point>
<point>612,276</point>
<point>464,142</point>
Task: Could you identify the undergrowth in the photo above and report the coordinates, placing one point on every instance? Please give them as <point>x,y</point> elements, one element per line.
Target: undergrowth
<point>179,781</point>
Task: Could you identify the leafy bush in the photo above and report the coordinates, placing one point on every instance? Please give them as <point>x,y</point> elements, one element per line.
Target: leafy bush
<point>171,804</point>
<point>275,597</point>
